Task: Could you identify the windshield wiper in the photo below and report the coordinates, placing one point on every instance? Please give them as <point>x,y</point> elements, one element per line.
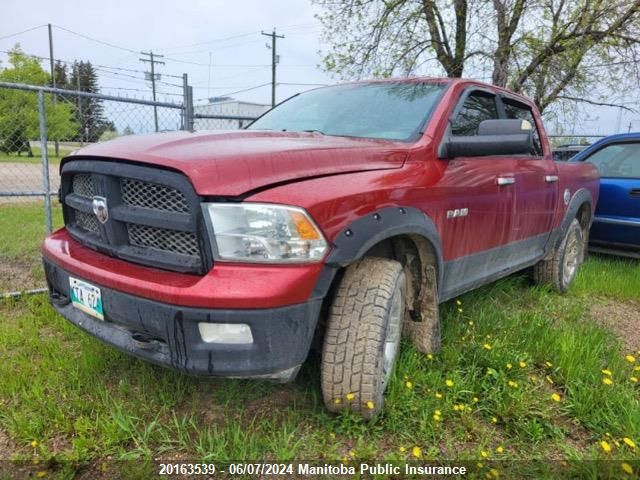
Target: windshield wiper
<point>315,131</point>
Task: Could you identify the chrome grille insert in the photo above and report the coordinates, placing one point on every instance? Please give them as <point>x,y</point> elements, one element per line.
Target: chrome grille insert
<point>163,239</point>
<point>152,195</point>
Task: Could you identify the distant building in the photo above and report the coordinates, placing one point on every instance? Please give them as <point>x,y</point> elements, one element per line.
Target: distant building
<point>226,106</point>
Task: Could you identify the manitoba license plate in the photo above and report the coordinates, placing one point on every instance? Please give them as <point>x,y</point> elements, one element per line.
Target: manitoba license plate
<point>86,297</point>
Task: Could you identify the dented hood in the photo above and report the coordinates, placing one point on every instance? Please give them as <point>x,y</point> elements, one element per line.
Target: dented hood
<point>229,163</point>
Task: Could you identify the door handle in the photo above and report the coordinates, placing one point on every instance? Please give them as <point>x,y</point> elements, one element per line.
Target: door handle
<point>505,181</point>
<point>551,178</point>
<point>634,192</point>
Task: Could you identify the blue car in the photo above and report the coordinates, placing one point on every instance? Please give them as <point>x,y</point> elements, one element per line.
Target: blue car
<point>616,225</point>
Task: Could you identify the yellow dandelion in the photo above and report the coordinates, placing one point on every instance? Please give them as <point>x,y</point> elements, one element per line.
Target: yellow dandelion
<point>438,395</point>
<point>633,379</point>
<point>549,379</point>
<point>606,372</point>
<point>350,396</point>
<point>370,405</point>
<point>548,364</point>
<point>636,368</point>
<point>41,474</point>
<point>522,364</point>
<point>456,407</point>
<point>460,310</point>
<point>494,419</point>
<point>512,384</point>
<point>629,442</point>
<point>607,381</point>
<point>475,400</point>
<point>626,468</point>
<point>402,449</point>
<point>416,452</point>
<point>34,444</point>
<point>458,302</point>
<point>479,464</point>
<point>332,435</point>
<point>337,401</point>
<point>437,418</point>
<point>438,412</point>
<point>352,453</point>
<point>449,383</point>
<point>630,358</point>
<point>606,446</point>
<point>556,397</point>
<point>500,449</point>
<point>509,366</point>
<point>484,454</point>
<point>408,384</point>
<point>344,459</point>
<point>494,472</point>
<point>487,346</point>
<point>429,356</point>
<point>471,322</point>
<point>533,379</point>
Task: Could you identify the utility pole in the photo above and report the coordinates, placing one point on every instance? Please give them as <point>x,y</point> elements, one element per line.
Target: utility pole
<point>53,78</point>
<point>153,62</point>
<point>274,61</point>
<point>187,93</point>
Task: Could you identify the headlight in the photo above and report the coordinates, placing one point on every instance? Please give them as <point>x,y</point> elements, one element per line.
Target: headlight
<point>262,232</point>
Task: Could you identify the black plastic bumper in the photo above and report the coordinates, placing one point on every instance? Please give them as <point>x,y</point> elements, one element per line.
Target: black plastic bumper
<point>168,335</point>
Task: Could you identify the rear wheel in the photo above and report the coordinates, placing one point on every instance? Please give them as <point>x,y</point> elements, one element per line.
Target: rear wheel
<point>362,339</point>
<point>560,270</point>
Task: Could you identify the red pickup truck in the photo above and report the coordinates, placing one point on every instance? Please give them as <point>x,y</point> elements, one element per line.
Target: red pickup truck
<point>346,213</point>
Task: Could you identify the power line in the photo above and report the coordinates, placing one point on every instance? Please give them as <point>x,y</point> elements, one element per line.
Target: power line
<point>238,91</point>
<point>86,37</point>
<point>23,31</point>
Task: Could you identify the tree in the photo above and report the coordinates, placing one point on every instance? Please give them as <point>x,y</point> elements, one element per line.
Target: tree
<point>89,111</point>
<point>548,49</point>
<point>19,120</point>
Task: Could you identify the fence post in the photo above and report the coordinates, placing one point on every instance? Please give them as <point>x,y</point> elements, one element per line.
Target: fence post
<point>45,161</point>
<point>187,101</point>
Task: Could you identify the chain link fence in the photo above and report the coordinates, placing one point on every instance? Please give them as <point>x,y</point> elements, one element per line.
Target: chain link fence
<point>38,127</point>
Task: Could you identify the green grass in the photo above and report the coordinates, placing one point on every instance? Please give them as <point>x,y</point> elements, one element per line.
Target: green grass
<point>37,152</point>
<point>22,230</point>
<point>74,405</point>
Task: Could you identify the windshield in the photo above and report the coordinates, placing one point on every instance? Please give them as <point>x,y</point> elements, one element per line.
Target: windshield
<point>389,110</point>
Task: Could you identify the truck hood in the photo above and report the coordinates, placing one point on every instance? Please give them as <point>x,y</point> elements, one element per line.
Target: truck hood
<point>230,163</point>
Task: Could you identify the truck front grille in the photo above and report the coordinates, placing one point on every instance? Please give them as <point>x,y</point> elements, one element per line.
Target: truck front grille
<point>163,239</point>
<point>154,215</point>
<point>87,221</point>
<point>152,195</point>
<point>83,185</point>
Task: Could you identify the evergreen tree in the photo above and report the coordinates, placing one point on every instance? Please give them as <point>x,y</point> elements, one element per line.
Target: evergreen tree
<point>89,111</point>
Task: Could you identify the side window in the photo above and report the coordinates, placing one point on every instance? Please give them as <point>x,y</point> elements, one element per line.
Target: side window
<point>523,112</point>
<point>621,160</point>
<point>477,107</point>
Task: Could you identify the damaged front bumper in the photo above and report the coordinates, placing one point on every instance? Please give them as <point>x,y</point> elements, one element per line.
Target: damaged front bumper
<point>168,335</point>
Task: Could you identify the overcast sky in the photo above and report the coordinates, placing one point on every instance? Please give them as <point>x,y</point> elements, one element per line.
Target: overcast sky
<point>191,34</point>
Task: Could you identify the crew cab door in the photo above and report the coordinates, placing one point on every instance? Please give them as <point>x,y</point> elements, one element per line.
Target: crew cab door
<point>536,187</point>
<point>477,203</point>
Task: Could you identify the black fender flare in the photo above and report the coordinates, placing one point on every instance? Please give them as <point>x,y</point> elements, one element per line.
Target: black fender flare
<point>356,239</point>
<point>579,198</point>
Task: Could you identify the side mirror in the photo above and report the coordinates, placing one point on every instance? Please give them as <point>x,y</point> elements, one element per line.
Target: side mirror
<point>495,137</point>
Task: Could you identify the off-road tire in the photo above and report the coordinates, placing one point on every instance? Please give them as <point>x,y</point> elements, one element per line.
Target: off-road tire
<point>560,270</point>
<point>361,318</point>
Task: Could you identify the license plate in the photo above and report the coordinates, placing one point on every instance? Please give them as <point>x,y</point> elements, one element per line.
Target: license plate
<point>86,297</point>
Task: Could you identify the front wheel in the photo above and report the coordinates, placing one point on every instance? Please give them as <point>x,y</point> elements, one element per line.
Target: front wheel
<point>362,339</point>
<point>560,270</point>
